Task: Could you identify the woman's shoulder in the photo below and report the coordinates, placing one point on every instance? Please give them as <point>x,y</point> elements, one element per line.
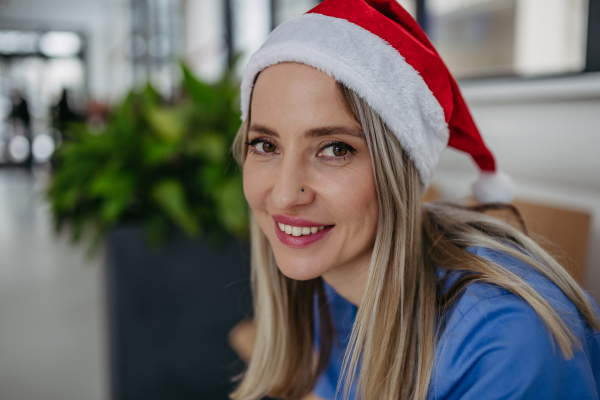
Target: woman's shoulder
<point>495,346</point>
<point>479,296</point>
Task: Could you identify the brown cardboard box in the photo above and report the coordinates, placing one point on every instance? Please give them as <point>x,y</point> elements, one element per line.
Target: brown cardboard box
<point>562,232</point>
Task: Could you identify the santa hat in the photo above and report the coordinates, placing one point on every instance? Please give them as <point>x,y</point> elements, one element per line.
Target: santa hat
<point>377,49</point>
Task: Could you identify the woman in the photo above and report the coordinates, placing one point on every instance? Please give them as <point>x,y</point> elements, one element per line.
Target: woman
<point>359,287</point>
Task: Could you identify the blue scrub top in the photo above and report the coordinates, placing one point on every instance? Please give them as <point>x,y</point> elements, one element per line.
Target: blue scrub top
<point>494,345</point>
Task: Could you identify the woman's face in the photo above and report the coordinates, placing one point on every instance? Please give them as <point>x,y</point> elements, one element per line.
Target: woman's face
<point>308,176</point>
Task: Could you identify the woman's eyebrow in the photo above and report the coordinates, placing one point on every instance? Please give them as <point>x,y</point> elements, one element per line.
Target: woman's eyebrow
<point>264,130</point>
<point>312,133</point>
<point>333,130</point>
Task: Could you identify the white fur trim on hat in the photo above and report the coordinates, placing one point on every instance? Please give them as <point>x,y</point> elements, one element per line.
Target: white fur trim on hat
<point>371,67</point>
<point>494,187</point>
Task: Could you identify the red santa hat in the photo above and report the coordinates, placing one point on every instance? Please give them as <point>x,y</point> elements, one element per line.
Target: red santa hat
<point>377,49</point>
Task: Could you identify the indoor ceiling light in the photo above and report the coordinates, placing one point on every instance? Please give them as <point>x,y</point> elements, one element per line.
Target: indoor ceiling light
<point>60,44</point>
<point>18,148</point>
<point>42,147</point>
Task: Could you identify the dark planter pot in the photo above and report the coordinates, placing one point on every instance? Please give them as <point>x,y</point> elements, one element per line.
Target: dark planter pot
<point>170,311</point>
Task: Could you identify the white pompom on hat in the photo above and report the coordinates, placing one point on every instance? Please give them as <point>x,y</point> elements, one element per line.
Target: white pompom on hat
<point>494,187</point>
<point>377,49</point>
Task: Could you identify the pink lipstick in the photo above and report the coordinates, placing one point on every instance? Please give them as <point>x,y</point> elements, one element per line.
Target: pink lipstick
<point>293,227</point>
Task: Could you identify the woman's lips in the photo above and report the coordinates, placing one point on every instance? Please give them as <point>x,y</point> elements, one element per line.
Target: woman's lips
<point>302,240</point>
<point>296,221</point>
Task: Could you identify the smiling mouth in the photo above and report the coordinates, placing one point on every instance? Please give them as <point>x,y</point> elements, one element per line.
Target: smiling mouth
<point>299,230</point>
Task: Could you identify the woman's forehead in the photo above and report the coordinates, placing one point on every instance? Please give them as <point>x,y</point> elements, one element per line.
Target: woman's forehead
<point>294,93</point>
<point>288,70</point>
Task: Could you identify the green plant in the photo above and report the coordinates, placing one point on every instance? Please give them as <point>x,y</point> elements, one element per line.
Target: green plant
<point>156,164</point>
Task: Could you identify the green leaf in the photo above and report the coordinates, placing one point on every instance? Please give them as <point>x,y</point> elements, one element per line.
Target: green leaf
<point>232,207</point>
<point>170,195</point>
<point>112,210</point>
<point>200,92</point>
<point>212,147</point>
<point>158,152</point>
<point>166,123</point>
<point>111,181</point>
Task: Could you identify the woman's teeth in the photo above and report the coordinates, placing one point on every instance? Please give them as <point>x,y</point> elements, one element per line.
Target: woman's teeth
<point>299,231</point>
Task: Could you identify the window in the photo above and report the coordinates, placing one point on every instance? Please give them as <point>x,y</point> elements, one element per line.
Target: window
<point>483,38</point>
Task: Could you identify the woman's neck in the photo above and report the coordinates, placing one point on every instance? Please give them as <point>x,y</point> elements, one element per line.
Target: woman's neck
<point>350,280</point>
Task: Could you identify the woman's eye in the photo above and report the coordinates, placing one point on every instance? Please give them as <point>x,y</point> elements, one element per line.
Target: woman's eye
<point>264,147</point>
<point>336,150</point>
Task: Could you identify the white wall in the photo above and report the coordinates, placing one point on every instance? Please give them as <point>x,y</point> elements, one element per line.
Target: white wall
<point>546,134</point>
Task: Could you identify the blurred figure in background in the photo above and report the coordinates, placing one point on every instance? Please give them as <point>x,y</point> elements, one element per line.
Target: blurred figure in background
<point>63,114</point>
<point>20,122</point>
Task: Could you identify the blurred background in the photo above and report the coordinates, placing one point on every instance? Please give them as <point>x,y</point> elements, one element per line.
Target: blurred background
<point>115,119</point>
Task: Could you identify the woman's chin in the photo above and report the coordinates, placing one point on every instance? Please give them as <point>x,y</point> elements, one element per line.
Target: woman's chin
<point>299,272</point>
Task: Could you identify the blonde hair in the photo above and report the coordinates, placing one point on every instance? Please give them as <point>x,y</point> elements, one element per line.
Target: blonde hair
<point>394,334</point>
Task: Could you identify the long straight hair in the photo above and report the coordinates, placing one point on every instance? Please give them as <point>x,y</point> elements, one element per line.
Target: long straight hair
<point>394,337</point>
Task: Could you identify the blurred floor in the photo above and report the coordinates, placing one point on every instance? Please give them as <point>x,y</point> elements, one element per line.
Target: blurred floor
<point>52,336</point>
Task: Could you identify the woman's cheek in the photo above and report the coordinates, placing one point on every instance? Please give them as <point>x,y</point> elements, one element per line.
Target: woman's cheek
<point>256,181</point>
<point>350,191</point>
<point>250,189</point>
<point>356,206</point>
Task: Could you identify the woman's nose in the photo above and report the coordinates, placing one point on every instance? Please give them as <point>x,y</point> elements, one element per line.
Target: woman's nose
<point>292,186</point>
